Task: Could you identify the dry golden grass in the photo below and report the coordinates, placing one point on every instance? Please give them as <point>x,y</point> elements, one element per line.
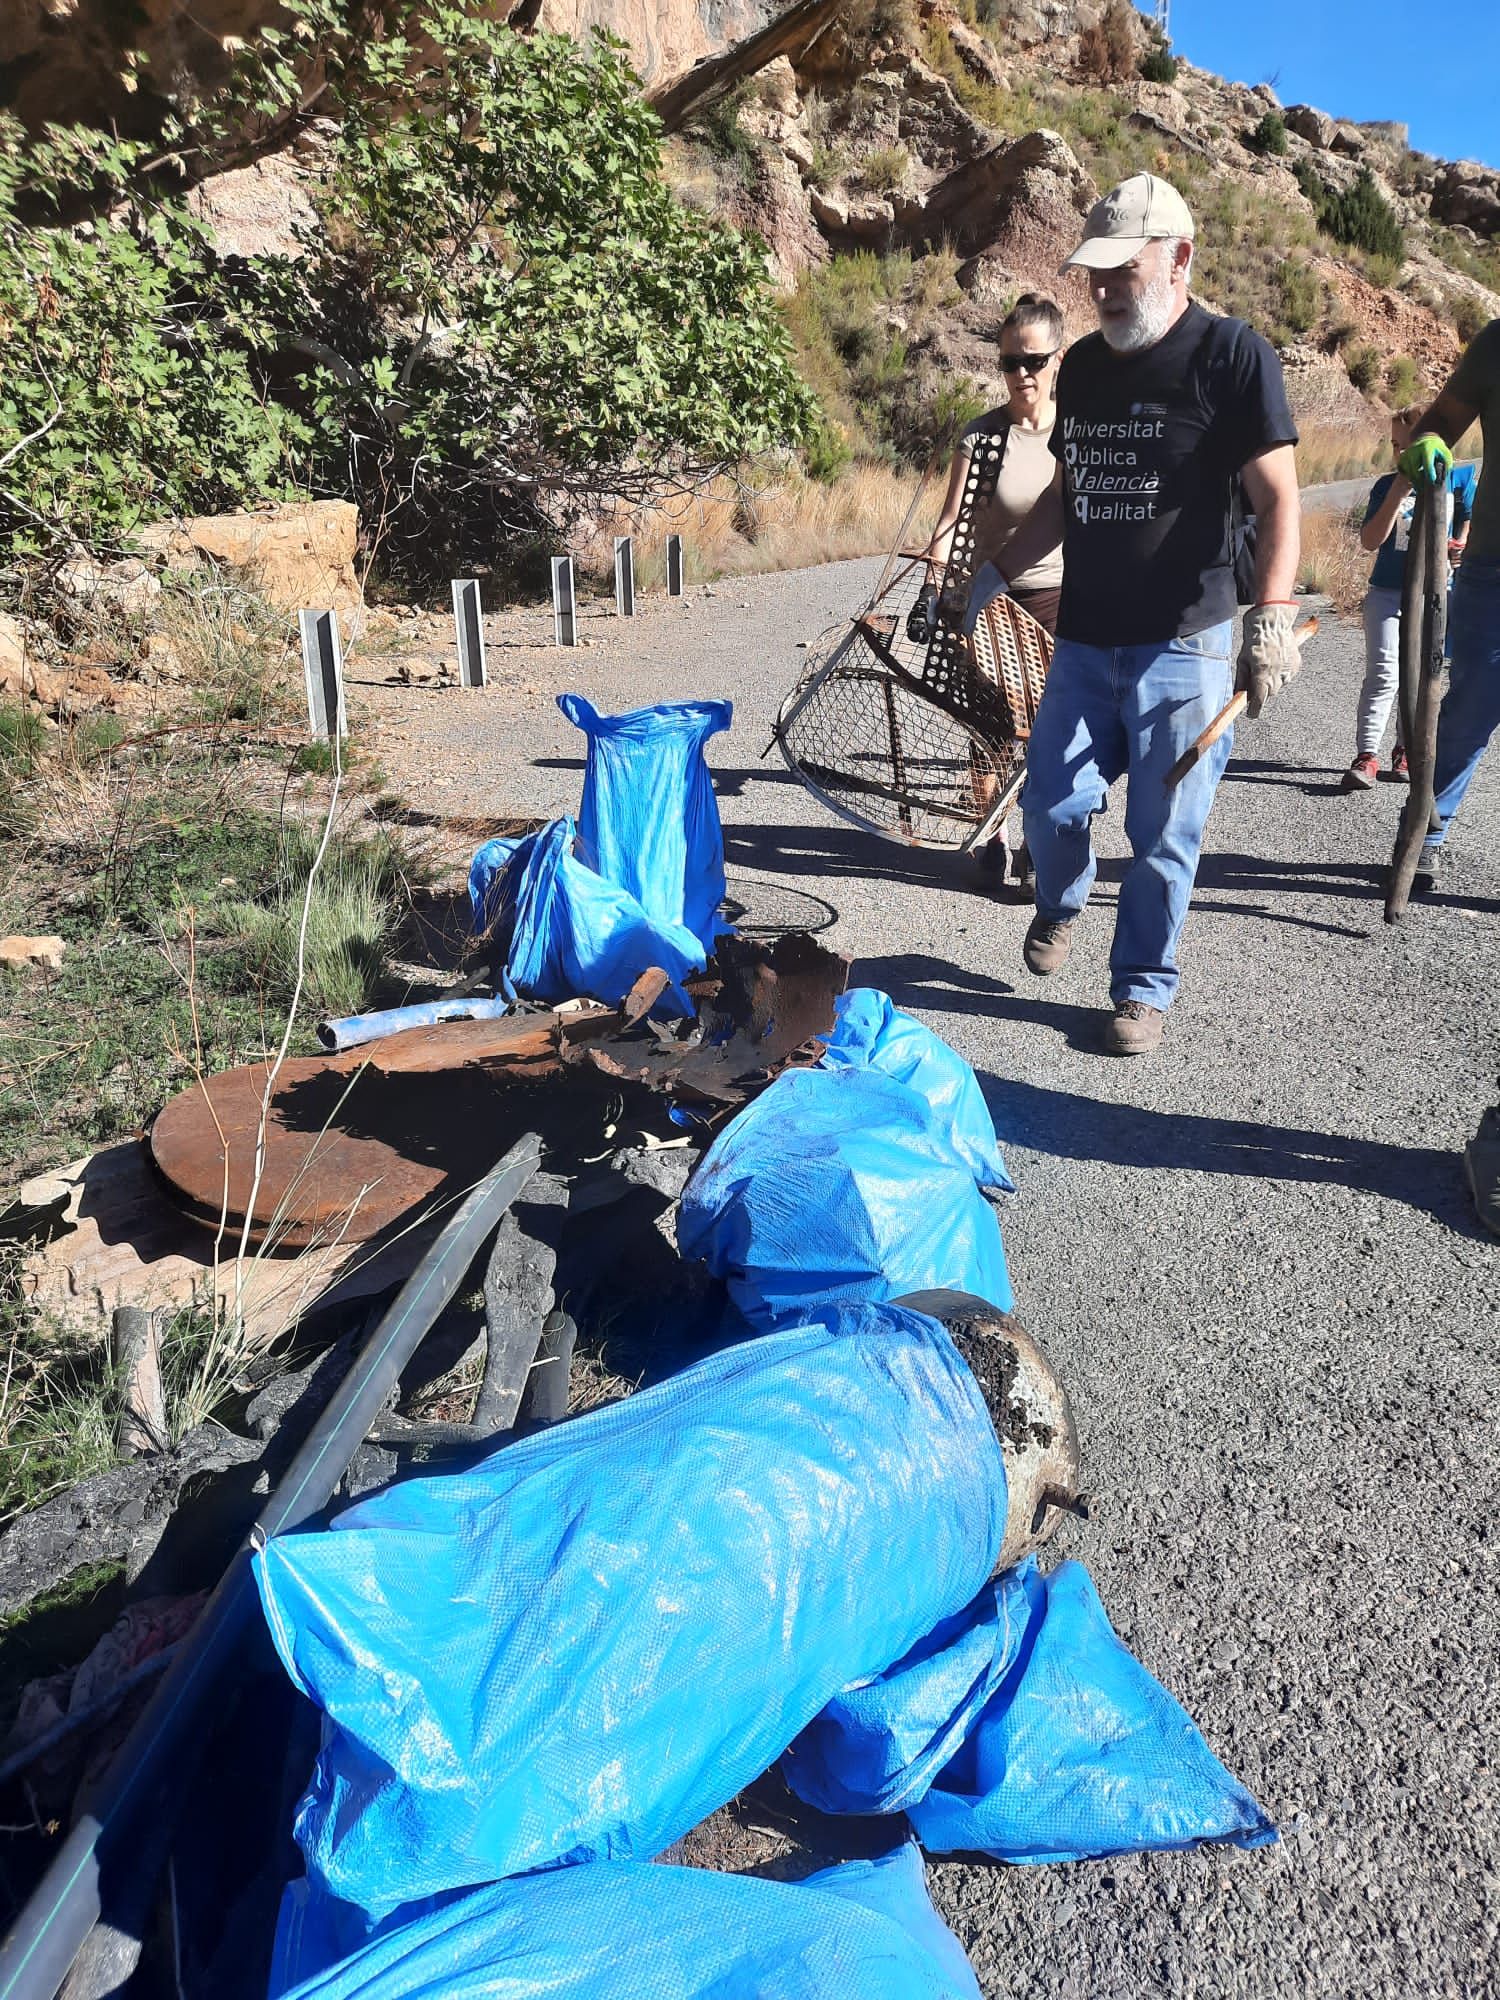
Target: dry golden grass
<point>791,522</point>
<point>739,528</point>
<point>1333,562</point>
<point>1326,453</point>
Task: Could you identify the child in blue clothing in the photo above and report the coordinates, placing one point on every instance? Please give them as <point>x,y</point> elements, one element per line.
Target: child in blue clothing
<point>1386,532</point>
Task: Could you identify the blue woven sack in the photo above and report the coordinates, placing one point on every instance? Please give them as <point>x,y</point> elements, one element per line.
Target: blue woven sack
<point>864,1930</point>
<point>584,1644</point>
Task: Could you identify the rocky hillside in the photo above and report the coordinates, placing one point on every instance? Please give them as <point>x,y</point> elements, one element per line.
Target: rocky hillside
<point>66,59</point>
<point>959,145</point>
<point>912,164</point>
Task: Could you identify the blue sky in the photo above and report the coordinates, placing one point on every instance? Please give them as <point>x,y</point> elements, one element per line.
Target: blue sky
<point>1435,68</point>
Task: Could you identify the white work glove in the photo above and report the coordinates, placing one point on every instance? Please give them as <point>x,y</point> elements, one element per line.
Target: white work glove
<point>1269,655</point>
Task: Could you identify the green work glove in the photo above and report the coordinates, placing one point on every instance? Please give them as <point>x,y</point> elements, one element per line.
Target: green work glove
<point>1426,459</point>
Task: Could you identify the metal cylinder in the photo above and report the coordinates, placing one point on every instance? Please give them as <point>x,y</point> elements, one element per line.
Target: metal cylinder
<point>1029,1408</point>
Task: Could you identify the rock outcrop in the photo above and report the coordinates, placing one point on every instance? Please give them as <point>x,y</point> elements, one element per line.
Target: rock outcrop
<point>300,556</point>
<point>1316,127</point>
<point>263,210</point>
<point>1467,195</point>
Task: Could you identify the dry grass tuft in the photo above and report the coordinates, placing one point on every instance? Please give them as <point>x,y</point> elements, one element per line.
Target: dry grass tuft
<point>1326,453</point>
<point>735,529</point>
<point>1333,563</point>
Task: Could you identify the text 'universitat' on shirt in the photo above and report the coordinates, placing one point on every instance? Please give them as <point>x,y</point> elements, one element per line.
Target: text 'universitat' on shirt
<point>1150,445</point>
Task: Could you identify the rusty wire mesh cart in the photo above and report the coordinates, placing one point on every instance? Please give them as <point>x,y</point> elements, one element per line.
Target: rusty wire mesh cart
<point>922,741</point>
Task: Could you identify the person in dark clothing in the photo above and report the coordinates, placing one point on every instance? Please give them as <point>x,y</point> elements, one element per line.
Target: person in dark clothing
<point>1159,414</point>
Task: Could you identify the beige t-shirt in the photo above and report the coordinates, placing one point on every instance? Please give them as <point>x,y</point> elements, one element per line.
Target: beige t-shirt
<point>1025,476</point>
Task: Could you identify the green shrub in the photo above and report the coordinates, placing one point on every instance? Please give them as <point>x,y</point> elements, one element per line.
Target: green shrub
<point>57,1417</point>
<point>1363,364</point>
<point>866,22</point>
<point>1269,135</point>
<point>351,918</point>
<point>1159,65</point>
<point>130,386</point>
<point>1477,260</point>
<point>1303,296</point>
<point>986,102</point>
<point>827,453</point>
<point>1361,217</point>
<point>885,170</point>
<point>720,129</point>
<point>22,735</point>
<point>1403,380</point>
<point>854,320</point>
<point>1470,315</point>
<point>1381,271</point>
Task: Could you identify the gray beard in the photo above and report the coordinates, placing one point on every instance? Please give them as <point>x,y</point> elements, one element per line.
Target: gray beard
<point>1148,322</point>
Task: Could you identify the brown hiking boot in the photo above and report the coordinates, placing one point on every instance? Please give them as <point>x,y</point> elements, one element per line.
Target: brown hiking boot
<point>1135,1029</point>
<point>1048,942</point>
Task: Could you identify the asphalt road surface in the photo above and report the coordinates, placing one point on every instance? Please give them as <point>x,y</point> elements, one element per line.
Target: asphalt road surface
<point>1339,495</point>
<point>1252,1257</point>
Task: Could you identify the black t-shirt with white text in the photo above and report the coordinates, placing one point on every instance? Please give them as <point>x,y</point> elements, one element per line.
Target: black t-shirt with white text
<point>1150,445</point>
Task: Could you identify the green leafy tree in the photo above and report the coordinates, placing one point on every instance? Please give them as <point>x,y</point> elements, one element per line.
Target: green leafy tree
<point>505,316</point>
<point>129,387</point>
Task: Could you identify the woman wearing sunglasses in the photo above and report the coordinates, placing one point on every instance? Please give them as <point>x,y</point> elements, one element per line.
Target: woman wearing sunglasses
<point>1031,341</point>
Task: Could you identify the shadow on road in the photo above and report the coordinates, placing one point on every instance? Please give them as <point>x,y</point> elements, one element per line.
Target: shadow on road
<point>730,780</point>
<point>1315,784</point>
<point>1069,1127</point>
<point>1202,907</point>
<point>1363,880</point>
<point>917,979</point>
<point>847,852</point>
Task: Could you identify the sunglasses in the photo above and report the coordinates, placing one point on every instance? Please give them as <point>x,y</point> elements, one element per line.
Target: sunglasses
<point>1012,364</point>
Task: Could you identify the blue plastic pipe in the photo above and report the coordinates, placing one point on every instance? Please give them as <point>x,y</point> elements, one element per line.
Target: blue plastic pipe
<point>355,1029</point>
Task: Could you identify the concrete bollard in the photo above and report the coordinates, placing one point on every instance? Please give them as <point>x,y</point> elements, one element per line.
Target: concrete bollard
<point>468,624</point>
<point>624,576</point>
<point>564,603</point>
<point>323,668</point>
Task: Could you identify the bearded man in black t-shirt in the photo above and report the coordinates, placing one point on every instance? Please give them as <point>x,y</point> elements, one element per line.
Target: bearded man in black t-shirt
<point>1159,414</point>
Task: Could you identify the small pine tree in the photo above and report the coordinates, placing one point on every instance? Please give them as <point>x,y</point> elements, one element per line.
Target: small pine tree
<point>1159,65</point>
<point>1360,217</point>
<point>1269,135</point>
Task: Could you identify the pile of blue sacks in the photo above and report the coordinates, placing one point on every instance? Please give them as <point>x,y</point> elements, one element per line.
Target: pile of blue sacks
<point>541,1672</point>
<point>584,907</point>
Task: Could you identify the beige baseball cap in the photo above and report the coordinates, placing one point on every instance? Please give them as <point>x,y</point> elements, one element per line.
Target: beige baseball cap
<point>1139,211</point>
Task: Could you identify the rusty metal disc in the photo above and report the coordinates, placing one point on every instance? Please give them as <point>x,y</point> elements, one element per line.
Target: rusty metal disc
<point>357,1141</point>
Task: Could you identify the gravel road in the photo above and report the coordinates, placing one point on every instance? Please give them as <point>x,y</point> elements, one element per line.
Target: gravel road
<point>1252,1258</point>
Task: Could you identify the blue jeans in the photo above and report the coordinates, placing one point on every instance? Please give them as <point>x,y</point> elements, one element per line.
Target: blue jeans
<point>1470,713</point>
<point>1109,711</point>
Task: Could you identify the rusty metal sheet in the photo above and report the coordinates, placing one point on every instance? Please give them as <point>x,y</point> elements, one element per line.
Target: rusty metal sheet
<point>760,1008</point>
<point>354,1142</point>
<point>358,1141</point>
